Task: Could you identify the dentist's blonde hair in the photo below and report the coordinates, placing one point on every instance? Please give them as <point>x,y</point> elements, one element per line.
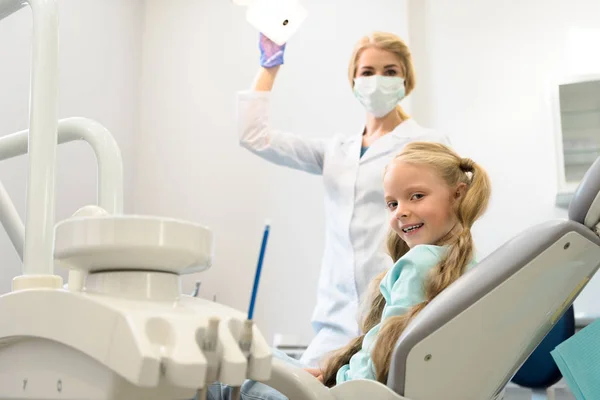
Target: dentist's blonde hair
<point>392,43</point>
<point>453,170</point>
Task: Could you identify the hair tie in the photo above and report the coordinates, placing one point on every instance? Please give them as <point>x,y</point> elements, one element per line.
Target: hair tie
<point>467,165</point>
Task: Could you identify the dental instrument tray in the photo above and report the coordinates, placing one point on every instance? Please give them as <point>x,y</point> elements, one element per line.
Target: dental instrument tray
<point>130,242</point>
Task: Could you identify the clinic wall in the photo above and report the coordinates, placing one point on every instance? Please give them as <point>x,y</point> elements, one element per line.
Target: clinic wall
<point>196,55</point>
<point>100,47</point>
<point>489,73</point>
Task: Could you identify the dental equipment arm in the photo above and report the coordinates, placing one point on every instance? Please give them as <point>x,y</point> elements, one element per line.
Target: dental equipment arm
<point>103,144</point>
<point>10,220</point>
<point>37,254</point>
<point>108,157</point>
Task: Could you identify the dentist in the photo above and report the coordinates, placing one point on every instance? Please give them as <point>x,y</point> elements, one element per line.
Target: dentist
<point>381,74</point>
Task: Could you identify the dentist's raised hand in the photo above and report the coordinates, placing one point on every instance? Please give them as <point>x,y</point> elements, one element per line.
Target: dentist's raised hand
<point>271,54</point>
<point>271,58</point>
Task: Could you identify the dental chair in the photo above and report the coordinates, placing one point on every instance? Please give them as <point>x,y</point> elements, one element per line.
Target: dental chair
<point>124,331</point>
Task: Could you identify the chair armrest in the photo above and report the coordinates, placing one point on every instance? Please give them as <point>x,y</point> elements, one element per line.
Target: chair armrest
<point>296,383</point>
<point>361,389</point>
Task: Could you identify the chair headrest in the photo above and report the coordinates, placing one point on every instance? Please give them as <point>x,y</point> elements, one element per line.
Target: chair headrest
<point>585,205</point>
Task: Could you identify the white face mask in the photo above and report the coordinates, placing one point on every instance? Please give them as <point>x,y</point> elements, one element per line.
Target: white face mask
<point>379,94</point>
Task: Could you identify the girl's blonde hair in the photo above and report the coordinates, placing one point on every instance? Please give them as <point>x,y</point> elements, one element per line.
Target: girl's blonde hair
<point>392,43</point>
<point>453,170</point>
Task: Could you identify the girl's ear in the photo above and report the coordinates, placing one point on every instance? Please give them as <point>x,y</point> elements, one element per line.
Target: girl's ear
<point>459,192</point>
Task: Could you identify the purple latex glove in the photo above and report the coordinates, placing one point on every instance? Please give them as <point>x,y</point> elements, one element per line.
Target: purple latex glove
<point>271,54</point>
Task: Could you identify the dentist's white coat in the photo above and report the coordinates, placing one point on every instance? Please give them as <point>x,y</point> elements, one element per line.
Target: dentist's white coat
<point>356,219</point>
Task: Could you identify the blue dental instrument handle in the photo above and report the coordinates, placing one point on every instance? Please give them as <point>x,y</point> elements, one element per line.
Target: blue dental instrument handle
<point>258,270</point>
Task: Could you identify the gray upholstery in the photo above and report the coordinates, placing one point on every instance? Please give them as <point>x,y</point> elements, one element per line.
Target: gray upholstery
<point>582,205</point>
<point>486,276</point>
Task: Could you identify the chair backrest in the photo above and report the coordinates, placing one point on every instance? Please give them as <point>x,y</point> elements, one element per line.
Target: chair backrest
<point>585,206</point>
<point>473,337</point>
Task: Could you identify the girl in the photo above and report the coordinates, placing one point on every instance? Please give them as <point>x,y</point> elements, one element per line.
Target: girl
<point>433,197</point>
